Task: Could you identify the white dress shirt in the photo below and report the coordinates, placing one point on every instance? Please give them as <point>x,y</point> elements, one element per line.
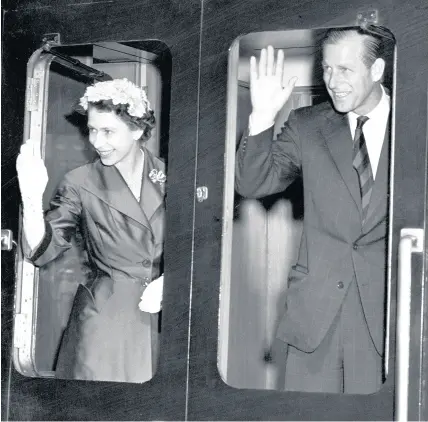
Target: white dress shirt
<point>373,129</point>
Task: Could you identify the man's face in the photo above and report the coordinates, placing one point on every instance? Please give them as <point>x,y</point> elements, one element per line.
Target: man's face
<point>351,85</point>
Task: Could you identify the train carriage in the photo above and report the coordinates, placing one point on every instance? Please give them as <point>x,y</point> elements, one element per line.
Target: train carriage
<point>226,257</point>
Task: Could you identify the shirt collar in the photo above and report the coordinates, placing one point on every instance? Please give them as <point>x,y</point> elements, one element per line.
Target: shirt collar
<point>379,113</point>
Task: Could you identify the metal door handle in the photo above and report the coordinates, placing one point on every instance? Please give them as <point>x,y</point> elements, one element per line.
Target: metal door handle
<point>411,241</point>
<point>7,242</point>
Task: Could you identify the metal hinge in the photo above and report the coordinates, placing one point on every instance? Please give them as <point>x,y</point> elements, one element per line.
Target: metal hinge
<point>367,17</point>
<point>21,332</point>
<point>201,193</point>
<point>33,88</point>
<point>53,38</point>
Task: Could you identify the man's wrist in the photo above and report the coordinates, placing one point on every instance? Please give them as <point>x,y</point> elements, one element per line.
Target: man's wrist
<point>259,122</point>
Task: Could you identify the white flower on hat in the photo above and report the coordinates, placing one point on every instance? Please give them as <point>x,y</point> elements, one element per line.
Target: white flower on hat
<point>119,91</point>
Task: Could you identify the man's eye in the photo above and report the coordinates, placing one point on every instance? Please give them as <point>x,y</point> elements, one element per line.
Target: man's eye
<point>92,130</point>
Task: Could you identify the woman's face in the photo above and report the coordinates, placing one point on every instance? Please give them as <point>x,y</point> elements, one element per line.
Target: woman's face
<point>111,137</point>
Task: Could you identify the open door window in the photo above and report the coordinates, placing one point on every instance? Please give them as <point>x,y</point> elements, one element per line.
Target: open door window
<point>57,77</point>
<point>267,267</point>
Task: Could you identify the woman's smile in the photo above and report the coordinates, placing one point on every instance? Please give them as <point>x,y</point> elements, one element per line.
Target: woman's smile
<point>105,154</point>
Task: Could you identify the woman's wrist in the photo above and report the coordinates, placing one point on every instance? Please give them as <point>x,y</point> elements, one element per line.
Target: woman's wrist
<point>32,207</point>
<point>33,223</point>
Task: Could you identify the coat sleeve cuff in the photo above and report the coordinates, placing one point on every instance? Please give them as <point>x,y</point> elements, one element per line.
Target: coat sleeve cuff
<point>40,249</point>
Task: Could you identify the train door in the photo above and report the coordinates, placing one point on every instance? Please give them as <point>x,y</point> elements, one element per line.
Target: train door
<point>244,248</point>
<point>51,55</point>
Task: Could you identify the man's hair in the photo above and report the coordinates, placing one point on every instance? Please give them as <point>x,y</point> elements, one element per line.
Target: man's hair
<point>374,46</point>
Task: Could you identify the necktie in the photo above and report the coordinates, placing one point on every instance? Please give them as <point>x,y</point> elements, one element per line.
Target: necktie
<point>362,165</point>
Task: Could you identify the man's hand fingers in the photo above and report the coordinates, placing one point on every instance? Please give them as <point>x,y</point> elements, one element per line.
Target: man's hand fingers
<point>270,61</point>
<point>262,63</point>
<point>292,82</point>
<point>289,88</point>
<point>253,70</point>
<point>279,69</point>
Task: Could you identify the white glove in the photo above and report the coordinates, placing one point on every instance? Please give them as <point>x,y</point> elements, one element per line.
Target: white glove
<point>32,178</point>
<point>32,173</point>
<point>151,299</point>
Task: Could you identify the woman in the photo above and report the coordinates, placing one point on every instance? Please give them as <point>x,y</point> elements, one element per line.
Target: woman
<point>118,201</point>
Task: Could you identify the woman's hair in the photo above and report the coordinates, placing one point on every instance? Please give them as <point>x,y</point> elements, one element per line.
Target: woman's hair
<point>128,101</point>
<point>145,123</point>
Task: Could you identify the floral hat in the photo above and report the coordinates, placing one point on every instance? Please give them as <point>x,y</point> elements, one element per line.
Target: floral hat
<point>119,91</point>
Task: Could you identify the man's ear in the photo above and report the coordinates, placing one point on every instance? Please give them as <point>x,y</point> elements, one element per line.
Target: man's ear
<point>377,69</point>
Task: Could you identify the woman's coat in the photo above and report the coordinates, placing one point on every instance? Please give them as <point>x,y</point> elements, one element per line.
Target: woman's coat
<point>107,336</point>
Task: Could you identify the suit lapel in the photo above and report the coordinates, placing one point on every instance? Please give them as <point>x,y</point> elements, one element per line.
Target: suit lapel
<point>109,186</point>
<point>339,142</point>
<point>152,191</point>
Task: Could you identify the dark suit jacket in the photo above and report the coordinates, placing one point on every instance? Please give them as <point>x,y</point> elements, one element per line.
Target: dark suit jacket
<point>122,237</point>
<point>336,247</point>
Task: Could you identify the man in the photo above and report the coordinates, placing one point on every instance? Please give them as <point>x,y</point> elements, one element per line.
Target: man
<point>334,317</point>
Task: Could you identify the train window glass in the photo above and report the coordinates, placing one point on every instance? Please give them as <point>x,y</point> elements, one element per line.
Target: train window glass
<point>89,294</point>
<point>304,266</point>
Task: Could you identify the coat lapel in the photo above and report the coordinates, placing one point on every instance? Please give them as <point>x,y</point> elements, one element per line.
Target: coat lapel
<point>152,191</point>
<point>108,185</point>
<point>339,142</point>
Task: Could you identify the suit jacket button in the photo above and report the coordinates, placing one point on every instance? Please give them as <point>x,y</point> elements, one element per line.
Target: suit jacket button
<point>355,246</point>
<point>340,285</point>
<point>146,263</point>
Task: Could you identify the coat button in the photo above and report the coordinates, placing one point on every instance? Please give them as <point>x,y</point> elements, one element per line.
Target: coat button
<point>355,246</point>
<point>146,263</point>
<point>340,285</point>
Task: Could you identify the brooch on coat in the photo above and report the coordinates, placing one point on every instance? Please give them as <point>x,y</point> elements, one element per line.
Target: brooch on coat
<point>157,176</point>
